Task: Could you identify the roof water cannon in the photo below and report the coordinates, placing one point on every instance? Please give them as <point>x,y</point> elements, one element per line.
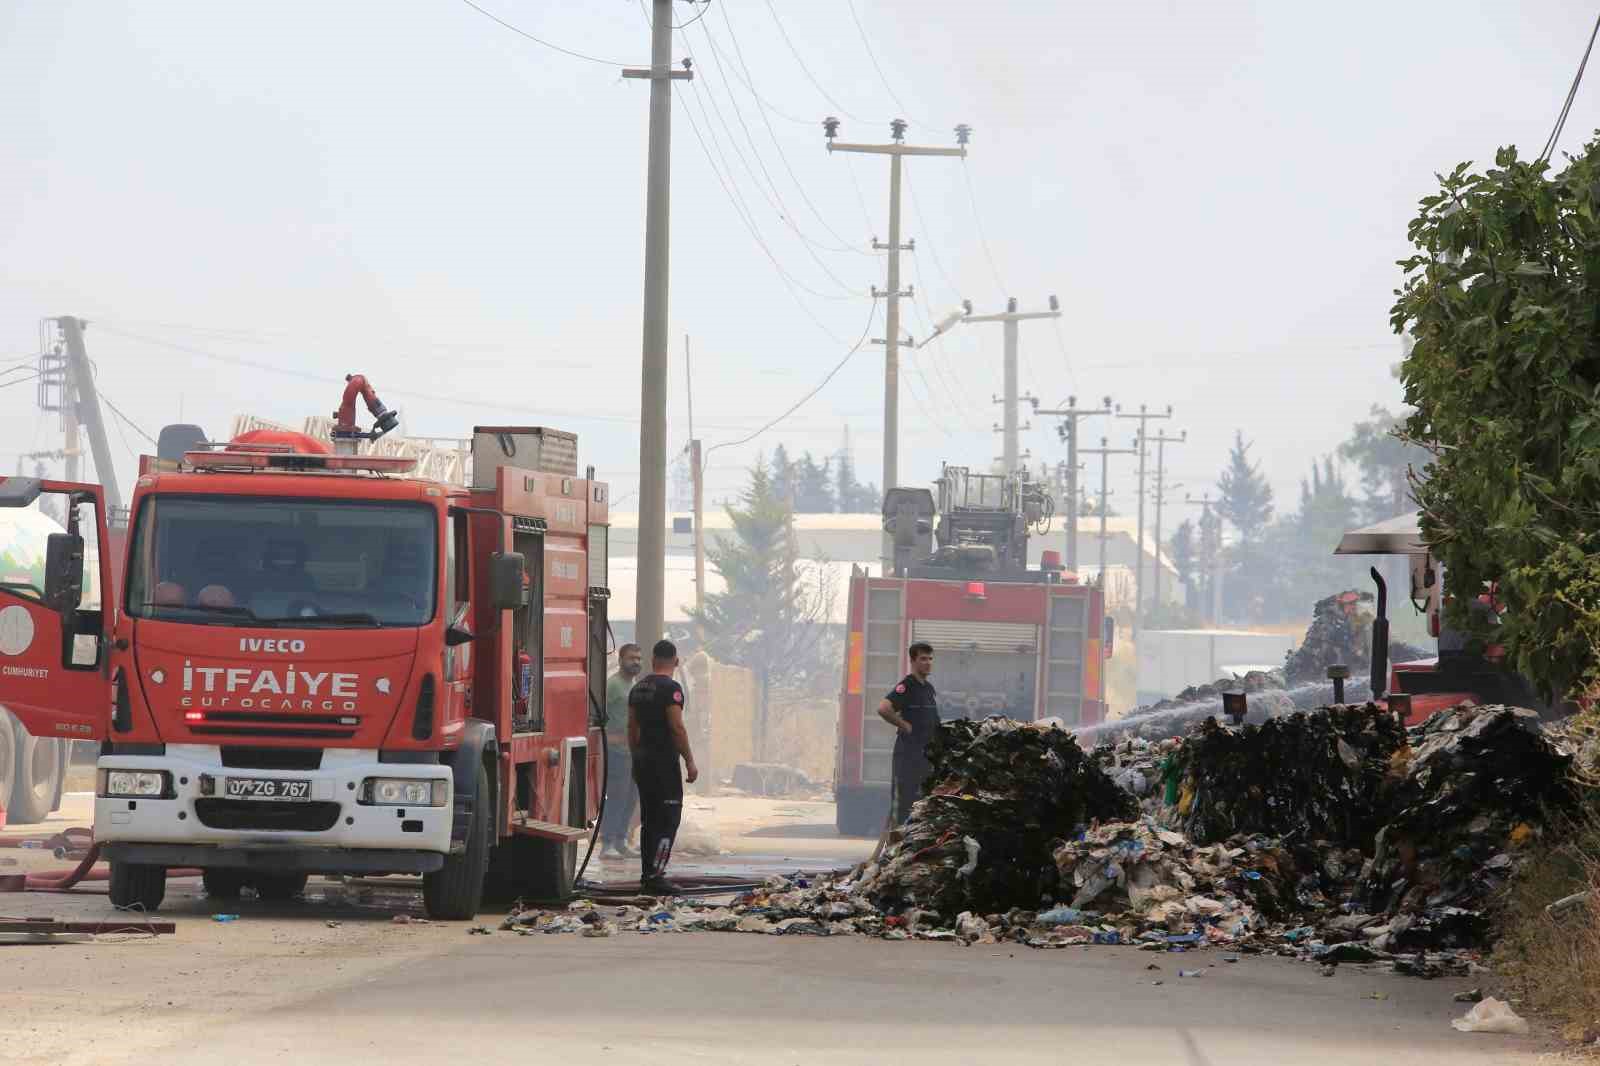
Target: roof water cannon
<point>345,432</point>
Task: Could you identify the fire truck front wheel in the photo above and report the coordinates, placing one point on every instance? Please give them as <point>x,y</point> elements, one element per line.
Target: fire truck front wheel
<point>455,891</point>
<point>137,886</point>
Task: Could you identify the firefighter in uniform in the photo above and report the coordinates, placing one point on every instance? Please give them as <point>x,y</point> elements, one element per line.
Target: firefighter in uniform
<point>657,740</point>
<point>913,709</point>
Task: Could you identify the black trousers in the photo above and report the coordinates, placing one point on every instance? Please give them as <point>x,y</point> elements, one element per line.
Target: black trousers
<point>911,768</point>
<point>621,794</point>
<point>660,808</point>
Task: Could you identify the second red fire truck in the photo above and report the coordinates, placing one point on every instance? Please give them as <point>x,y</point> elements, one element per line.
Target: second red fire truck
<point>1008,640</point>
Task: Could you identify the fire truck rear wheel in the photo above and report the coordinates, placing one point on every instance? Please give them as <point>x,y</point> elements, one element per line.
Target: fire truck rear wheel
<point>37,778</point>
<point>222,883</point>
<point>455,892</point>
<point>135,886</point>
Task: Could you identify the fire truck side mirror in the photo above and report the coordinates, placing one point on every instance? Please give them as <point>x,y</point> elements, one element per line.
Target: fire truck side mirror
<point>507,592</point>
<point>63,571</point>
<point>1109,635</point>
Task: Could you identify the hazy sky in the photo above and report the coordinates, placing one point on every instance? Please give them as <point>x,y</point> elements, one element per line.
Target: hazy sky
<point>249,200</point>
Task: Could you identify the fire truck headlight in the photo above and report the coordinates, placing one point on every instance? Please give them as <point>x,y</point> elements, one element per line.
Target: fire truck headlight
<point>133,783</point>
<point>401,792</point>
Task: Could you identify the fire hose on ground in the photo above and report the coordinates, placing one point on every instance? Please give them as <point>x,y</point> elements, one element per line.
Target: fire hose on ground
<point>70,843</point>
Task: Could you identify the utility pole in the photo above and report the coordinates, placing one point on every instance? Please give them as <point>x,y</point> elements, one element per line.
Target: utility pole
<point>650,607</point>
<point>896,151</point>
<point>1216,563</point>
<point>1068,429</point>
<point>1144,417</point>
<point>1105,453</point>
<point>1162,440</point>
<point>1010,317</point>
<point>81,411</point>
<point>696,466</point>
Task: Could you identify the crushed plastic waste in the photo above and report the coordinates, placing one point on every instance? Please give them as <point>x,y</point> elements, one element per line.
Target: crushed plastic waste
<point>1491,1016</point>
<point>1330,836</point>
<point>1013,789</point>
<point>1319,774</point>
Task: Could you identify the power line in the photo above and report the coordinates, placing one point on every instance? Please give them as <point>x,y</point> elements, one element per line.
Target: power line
<point>540,40</point>
<point>826,95</point>
<point>1061,342</point>
<point>19,381</point>
<point>867,44</point>
<point>739,51</point>
<point>872,315</point>
<point>776,199</point>
<point>131,423</point>
<point>706,11</point>
<point>916,205</point>
<point>977,220</point>
<point>790,282</point>
<point>1566,107</point>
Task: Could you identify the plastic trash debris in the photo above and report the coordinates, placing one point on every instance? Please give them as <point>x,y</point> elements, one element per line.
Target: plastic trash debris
<point>1191,973</point>
<point>971,867</point>
<point>1471,995</point>
<point>224,917</point>
<point>478,930</point>
<point>1491,1016</point>
<point>1060,916</point>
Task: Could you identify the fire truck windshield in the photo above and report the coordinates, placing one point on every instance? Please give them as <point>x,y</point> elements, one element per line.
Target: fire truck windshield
<point>282,562</point>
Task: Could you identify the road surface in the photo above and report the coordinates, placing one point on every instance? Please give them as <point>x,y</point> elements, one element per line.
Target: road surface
<point>281,985</point>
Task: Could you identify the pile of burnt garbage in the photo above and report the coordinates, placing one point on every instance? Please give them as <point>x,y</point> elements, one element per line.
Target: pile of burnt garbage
<point>1332,835</point>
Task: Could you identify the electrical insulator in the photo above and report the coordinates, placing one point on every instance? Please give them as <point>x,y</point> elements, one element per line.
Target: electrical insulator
<point>830,126</point>
<point>898,128</point>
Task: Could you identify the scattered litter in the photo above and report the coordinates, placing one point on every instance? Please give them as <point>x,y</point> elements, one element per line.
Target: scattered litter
<point>1471,995</point>
<point>334,925</point>
<point>1191,973</point>
<point>478,930</point>
<point>224,917</point>
<point>1491,1016</point>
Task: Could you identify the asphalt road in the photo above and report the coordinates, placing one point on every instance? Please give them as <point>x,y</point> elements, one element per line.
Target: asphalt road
<point>334,979</point>
<point>282,986</point>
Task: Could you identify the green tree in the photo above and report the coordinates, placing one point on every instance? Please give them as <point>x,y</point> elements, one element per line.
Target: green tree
<point>813,488</point>
<point>783,474</point>
<point>1504,377</point>
<point>1184,551</point>
<point>853,496</point>
<point>1209,558</point>
<point>1246,498</point>
<point>1386,461</point>
<point>774,615</point>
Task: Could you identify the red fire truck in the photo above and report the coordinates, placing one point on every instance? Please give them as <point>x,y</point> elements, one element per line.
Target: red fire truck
<point>1007,640</point>
<point>316,664</point>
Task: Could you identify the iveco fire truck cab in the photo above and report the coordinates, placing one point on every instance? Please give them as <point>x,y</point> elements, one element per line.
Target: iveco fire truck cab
<point>317,664</point>
<point>1010,640</point>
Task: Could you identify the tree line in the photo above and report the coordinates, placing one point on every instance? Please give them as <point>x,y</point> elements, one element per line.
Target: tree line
<point>807,486</point>
<point>1279,563</point>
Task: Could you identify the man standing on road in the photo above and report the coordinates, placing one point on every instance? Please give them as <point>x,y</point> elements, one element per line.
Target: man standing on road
<point>657,739</point>
<point>913,709</point>
<point>620,792</point>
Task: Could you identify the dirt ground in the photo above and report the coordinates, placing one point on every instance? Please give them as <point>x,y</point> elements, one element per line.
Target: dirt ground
<point>333,978</point>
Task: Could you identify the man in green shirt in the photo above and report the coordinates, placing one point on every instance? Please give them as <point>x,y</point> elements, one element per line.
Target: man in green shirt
<point>621,794</point>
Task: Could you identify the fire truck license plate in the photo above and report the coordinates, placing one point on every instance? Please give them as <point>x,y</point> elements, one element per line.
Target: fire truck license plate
<point>262,788</point>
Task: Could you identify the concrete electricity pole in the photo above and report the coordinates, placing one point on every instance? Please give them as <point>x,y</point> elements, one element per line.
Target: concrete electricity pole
<point>698,475</point>
<point>1216,564</point>
<point>1069,432</point>
<point>1010,317</point>
<point>1144,417</point>
<point>896,151</point>
<point>651,602</point>
<point>1162,441</point>
<point>1104,453</point>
